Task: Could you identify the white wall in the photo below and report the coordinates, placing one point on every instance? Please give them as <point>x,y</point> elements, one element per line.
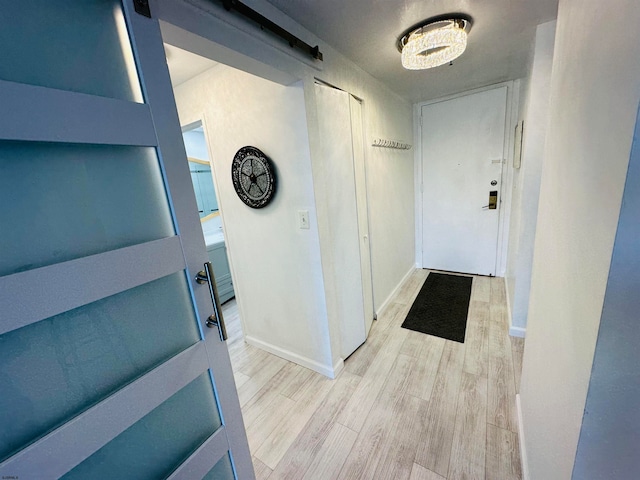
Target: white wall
<point>595,88</point>
<point>526,179</point>
<point>276,266</point>
<point>232,40</point>
<point>386,115</point>
<point>390,187</point>
<point>609,438</point>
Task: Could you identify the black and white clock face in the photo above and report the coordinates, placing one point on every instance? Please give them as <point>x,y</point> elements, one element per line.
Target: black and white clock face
<point>253,177</point>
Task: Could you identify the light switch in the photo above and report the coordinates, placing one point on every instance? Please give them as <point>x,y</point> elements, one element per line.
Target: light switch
<point>303,219</point>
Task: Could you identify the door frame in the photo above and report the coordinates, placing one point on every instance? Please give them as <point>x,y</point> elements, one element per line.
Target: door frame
<point>513,100</point>
<point>365,193</point>
<point>202,121</point>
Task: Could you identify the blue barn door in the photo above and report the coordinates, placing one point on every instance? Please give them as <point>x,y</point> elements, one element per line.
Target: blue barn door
<point>108,365</point>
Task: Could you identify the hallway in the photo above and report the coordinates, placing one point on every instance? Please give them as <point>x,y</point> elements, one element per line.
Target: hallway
<point>406,406</point>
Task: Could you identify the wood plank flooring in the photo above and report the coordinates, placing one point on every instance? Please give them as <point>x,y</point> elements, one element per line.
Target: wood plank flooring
<point>406,406</point>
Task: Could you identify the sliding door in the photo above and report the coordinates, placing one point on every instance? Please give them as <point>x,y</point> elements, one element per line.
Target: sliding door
<point>107,366</point>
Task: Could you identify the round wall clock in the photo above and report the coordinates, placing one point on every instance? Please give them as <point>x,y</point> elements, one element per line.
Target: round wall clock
<point>253,177</point>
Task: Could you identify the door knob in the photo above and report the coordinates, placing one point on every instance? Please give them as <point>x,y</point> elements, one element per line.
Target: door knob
<point>201,277</point>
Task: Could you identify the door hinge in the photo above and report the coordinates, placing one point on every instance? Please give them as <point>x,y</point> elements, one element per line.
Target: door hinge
<point>142,7</point>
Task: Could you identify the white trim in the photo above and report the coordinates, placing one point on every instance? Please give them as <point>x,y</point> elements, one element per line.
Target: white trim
<point>506,185</point>
<point>216,175</point>
<point>197,26</point>
<point>505,208</point>
<point>513,331</point>
<point>517,331</point>
<point>338,367</point>
<point>465,93</point>
<point>395,291</point>
<point>507,296</point>
<point>523,450</point>
<point>247,35</point>
<point>417,179</point>
<point>326,370</point>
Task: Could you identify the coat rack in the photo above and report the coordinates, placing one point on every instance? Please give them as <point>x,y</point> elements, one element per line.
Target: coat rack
<point>381,142</point>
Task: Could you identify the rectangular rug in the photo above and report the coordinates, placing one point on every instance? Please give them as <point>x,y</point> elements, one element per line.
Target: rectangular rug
<point>441,307</point>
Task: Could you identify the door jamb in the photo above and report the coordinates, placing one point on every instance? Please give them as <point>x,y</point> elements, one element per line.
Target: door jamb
<point>366,195</point>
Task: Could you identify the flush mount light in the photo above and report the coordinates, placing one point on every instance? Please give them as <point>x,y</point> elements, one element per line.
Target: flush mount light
<point>435,42</point>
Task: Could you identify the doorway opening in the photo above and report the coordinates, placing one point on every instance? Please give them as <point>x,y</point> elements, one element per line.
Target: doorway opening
<point>274,269</point>
<point>196,146</point>
<point>184,67</point>
<point>280,266</point>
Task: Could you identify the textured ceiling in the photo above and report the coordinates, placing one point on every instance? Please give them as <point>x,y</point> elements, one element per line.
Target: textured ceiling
<point>366,31</point>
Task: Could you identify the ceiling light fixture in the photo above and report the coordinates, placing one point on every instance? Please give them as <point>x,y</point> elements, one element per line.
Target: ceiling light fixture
<point>435,42</point>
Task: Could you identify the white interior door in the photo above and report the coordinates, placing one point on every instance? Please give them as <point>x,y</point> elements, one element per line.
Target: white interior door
<point>360,175</point>
<point>334,123</point>
<point>462,159</point>
<point>107,367</point>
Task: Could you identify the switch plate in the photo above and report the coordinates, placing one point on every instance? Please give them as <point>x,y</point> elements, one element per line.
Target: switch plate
<point>303,219</point>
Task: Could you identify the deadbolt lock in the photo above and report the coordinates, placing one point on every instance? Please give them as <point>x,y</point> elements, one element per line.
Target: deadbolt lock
<point>493,199</point>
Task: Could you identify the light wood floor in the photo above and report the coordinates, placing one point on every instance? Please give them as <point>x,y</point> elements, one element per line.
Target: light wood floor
<point>406,406</point>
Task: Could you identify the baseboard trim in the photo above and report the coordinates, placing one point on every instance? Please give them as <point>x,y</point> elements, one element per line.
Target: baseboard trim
<point>326,370</point>
<point>523,451</point>
<point>513,331</point>
<point>338,367</point>
<point>508,299</point>
<point>517,331</point>
<point>395,291</point>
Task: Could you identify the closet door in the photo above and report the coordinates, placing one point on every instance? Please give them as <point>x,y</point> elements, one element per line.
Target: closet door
<point>335,128</point>
<point>107,366</point>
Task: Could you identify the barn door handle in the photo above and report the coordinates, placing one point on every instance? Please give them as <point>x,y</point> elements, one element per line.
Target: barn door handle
<point>215,320</point>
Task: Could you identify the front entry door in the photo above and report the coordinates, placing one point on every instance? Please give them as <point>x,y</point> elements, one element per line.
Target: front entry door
<point>107,366</point>
<point>462,158</point>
